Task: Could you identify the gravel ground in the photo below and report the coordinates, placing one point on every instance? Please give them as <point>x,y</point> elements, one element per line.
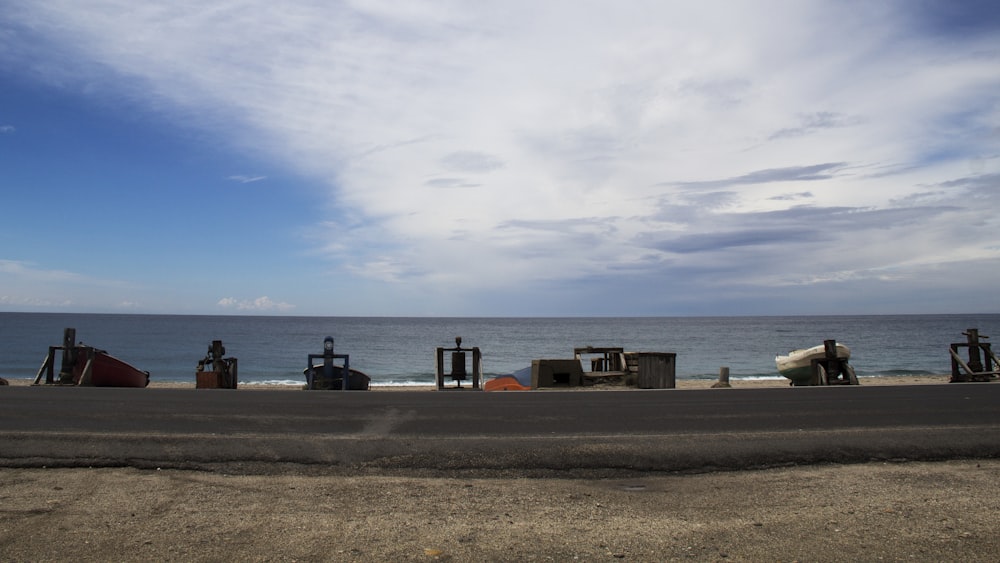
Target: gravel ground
<point>942,511</point>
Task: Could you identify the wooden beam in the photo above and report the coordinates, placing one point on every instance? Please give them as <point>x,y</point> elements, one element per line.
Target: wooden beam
<point>46,365</point>
<point>961,362</point>
<point>85,377</point>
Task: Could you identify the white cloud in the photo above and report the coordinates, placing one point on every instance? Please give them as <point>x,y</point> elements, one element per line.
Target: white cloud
<point>27,285</point>
<point>246,179</point>
<point>6,129</point>
<point>263,303</point>
<point>22,301</point>
<point>532,142</point>
<point>28,272</point>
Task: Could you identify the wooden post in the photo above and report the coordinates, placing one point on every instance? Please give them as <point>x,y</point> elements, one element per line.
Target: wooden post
<point>477,368</point>
<point>834,368</point>
<point>69,358</point>
<point>956,373</point>
<point>975,358</point>
<point>439,367</point>
<point>233,374</point>
<point>723,382</point>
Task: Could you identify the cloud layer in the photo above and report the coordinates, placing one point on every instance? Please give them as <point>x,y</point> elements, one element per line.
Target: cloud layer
<point>669,154</point>
<point>260,304</point>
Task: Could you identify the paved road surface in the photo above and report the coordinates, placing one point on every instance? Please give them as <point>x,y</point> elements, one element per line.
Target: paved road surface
<point>511,432</point>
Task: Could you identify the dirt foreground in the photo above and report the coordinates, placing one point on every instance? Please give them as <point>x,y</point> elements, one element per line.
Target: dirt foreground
<point>943,511</point>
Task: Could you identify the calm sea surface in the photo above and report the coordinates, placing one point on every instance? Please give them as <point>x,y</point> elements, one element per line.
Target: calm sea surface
<point>400,351</point>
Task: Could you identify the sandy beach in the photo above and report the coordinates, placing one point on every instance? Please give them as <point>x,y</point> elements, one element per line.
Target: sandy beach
<point>617,385</point>
<point>915,511</point>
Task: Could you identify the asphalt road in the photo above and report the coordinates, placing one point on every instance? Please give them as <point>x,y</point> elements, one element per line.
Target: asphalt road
<point>589,433</point>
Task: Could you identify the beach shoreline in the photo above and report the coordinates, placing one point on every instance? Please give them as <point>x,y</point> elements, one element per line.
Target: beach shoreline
<point>681,384</point>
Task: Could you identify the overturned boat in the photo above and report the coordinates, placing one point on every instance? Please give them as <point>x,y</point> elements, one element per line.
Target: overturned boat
<point>520,380</point>
<point>100,369</point>
<point>330,376</point>
<point>798,365</point>
<point>333,380</point>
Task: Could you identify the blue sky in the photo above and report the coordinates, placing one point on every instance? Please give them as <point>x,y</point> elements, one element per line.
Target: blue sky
<point>499,158</point>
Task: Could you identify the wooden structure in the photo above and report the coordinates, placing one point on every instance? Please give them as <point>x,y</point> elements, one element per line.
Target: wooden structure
<point>222,372</point>
<point>646,370</point>
<point>556,373</point>
<point>459,365</point>
<point>604,362</point>
<point>831,369</point>
<point>70,355</point>
<point>983,364</point>
<point>657,370</point>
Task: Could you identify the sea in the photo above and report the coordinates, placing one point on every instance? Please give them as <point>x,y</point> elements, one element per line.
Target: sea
<point>274,350</point>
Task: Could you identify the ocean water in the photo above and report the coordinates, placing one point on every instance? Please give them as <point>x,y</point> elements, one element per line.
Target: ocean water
<point>400,351</point>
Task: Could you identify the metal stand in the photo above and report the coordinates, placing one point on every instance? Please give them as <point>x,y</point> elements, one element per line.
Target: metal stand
<point>458,367</point>
<point>328,375</point>
<point>223,373</point>
<point>979,352</point>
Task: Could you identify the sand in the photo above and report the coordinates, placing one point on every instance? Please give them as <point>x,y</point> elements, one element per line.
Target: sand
<point>941,511</point>
<point>681,384</point>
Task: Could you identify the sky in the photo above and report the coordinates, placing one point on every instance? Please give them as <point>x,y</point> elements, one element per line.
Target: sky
<point>516,158</point>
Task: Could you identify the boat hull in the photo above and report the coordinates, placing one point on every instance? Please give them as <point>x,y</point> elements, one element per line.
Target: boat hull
<point>359,381</point>
<point>796,366</point>
<point>505,383</point>
<point>106,371</point>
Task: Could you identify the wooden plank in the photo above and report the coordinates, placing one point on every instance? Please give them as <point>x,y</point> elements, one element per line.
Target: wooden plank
<point>46,366</point>
<point>961,362</point>
<point>996,361</point>
<point>85,377</point>
<point>599,374</point>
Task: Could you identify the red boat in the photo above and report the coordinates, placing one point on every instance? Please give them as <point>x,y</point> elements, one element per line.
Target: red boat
<point>86,365</point>
<point>105,370</point>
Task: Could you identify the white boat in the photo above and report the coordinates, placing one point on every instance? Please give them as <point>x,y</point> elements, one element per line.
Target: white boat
<point>797,364</point>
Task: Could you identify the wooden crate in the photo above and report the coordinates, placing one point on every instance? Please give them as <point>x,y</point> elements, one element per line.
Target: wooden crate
<point>208,380</point>
<point>657,370</point>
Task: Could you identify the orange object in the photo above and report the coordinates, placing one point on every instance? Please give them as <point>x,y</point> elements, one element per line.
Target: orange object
<point>505,383</point>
